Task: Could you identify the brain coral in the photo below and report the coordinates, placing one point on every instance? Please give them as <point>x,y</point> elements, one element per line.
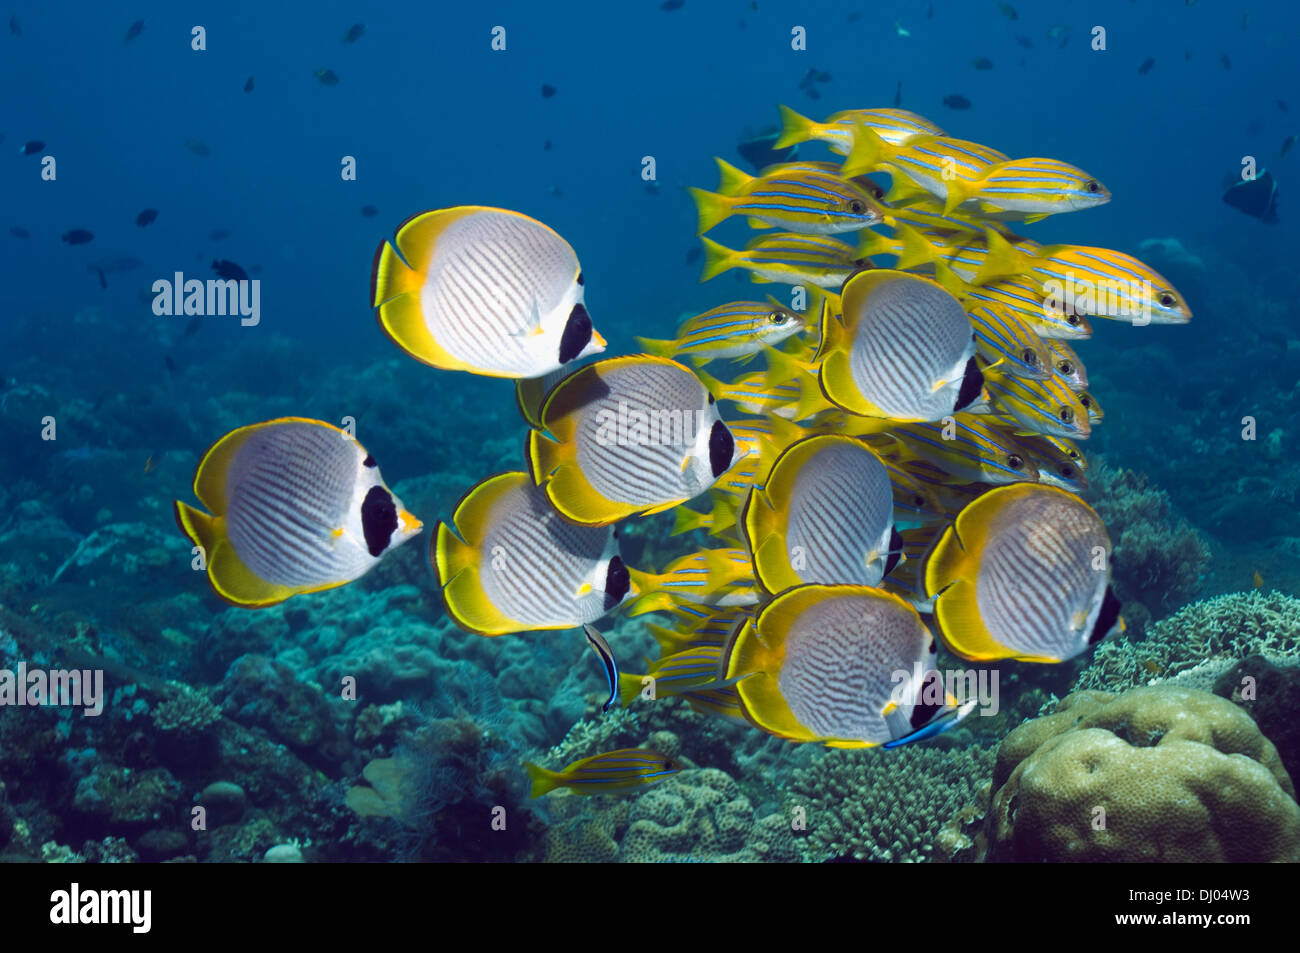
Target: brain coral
<point>1159,773</point>
<point>884,805</point>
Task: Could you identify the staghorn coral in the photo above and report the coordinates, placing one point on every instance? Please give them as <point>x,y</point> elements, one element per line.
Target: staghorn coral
<point>1207,634</point>
<point>1158,560</point>
<point>884,805</point>
<point>1158,773</point>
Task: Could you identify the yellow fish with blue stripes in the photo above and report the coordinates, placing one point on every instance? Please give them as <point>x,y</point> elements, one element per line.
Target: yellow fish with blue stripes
<point>737,330</point>
<point>613,772</point>
<point>801,200</point>
<point>894,126</point>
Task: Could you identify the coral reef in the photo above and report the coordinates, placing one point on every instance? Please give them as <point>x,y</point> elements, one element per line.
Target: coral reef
<point>883,805</point>
<point>1220,629</point>
<point>1158,773</point>
<point>1270,694</point>
<point>1158,560</point>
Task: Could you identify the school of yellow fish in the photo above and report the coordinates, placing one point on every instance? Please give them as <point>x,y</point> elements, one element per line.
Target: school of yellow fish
<point>904,465</point>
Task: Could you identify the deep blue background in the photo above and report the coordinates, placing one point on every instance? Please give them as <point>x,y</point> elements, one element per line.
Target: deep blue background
<point>435,117</point>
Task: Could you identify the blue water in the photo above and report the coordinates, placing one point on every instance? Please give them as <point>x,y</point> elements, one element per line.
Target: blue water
<point>434,117</point>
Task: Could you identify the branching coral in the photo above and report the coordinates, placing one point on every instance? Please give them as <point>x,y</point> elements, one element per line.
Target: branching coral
<point>884,805</point>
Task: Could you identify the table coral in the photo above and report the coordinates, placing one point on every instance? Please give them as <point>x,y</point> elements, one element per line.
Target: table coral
<point>884,805</point>
<point>1158,773</point>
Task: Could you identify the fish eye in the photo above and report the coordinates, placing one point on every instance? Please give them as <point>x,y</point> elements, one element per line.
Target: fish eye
<point>668,765</point>
<point>1065,367</point>
<point>1067,415</point>
<point>1067,472</point>
<point>1072,320</point>
<point>1030,357</point>
<point>1167,300</point>
<point>1085,400</point>
<point>1015,461</point>
<point>1092,186</point>
<point>857,207</point>
<point>778,317</point>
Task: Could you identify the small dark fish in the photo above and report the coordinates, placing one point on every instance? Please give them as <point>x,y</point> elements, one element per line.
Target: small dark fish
<point>219,234</point>
<point>369,211</point>
<point>32,148</point>
<point>956,101</point>
<point>15,27</point>
<point>145,217</point>
<point>811,92</point>
<point>17,231</point>
<point>327,77</point>
<point>248,85</point>
<point>855,16</point>
<point>898,95</point>
<point>652,188</point>
<point>198,148</point>
<point>134,30</point>
<point>547,145</point>
<point>1281,104</point>
<point>229,270</point>
<point>354,33</point>
<point>171,365</point>
<point>821,76</point>
<point>191,328</point>
<point>1287,143</point>
<point>759,151</point>
<point>548,90</point>
<point>78,236</point>
<point>1146,65</point>
<point>668,6</point>
<point>1024,41</point>
<point>693,255</point>
<point>103,282</point>
<point>1227,63</point>
<point>1256,198</point>
<point>1187,55</point>
<point>982,62</point>
<point>1008,11</point>
<point>929,12</point>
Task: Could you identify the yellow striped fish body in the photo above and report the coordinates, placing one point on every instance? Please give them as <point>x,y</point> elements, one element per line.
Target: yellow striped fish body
<point>926,213</point>
<point>894,126</point>
<point>1024,298</point>
<point>1060,463</point>
<point>965,448</point>
<point>1043,407</point>
<point>483,290</point>
<point>1023,574</point>
<point>803,200</point>
<point>628,435</point>
<point>724,702</point>
<point>819,664</point>
<point>1106,284</point>
<point>930,163</point>
<point>294,506</point>
<point>697,577</point>
<point>1033,188</point>
<point>675,674</point>
<point>509,563</point>
<point>752,394</point>
<point>718,521</point>
<point>825,516</point>
<point>1067,366</point>
<point>704,626</point>
<point>1000,336</point>
<point>908,578</point>
<point>786,258</point>
<point>613,772</point>
<point>904,350</point>
<point>738,329</point>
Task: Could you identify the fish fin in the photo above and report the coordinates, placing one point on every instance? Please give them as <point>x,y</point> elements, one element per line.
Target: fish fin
<point>712,208</point>
<point>915,250</point>
<point>948,280</point>
<point>839,388</point>
<point>724,516</point>
<point>711,383</point>
<point>873,243</point>
<point>1003,258</point>
<point>230,578</point>
<point>578,501</point>
<point>650,602</point>
<point>959,191</point>
<point>686,519</point>
<point>867,153</point>
<point>756,223</point>
<point>530,394</point>
<point>544,781</point>
<point>545,456</point>
<point>949,574</point>
<point>717,259</point>
<point>730,179</point>
<point>794,128</point>
<point>214,466</point>
<point>395,293</point>
<point>782,367</point>
<point>1038,217</point>
<point>903,192</point>
<point>467,605</point>
<point>658,347</point>
<point>629,687</point>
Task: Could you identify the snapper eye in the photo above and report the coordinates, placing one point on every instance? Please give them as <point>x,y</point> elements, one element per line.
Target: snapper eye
<point>778,317</point>
<point>1065,367</point>
<point>1092,186</point>
<point>857,207</point>
<point>1072,320</point>
<point>1067,415</point>
<point>1168,300</point>
<point>1029,357</point>
<point>1015,461</point>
